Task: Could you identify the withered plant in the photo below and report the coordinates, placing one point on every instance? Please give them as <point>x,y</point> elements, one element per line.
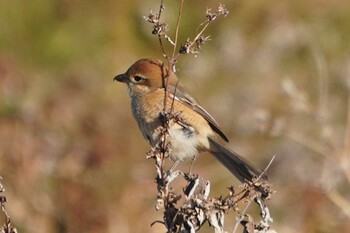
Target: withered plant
<point>6,227</point>
<point>187,212</point>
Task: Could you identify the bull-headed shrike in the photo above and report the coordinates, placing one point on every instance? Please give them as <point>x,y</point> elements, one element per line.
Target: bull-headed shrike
<point>195,129</point>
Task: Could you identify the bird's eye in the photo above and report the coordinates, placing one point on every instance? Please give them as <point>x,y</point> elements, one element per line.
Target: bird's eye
<point>138,79</point>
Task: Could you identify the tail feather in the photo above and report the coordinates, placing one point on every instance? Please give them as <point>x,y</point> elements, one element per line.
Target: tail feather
<point>234,162</point>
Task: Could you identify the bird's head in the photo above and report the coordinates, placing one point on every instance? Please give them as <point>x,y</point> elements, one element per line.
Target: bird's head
<point>146,75</point>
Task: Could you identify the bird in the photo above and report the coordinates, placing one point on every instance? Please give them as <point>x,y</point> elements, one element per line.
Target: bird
<point>194,131</point>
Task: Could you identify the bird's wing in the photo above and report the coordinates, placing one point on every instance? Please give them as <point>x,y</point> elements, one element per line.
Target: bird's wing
<point>182,96</point>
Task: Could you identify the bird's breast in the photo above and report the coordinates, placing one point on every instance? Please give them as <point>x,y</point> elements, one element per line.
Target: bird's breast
<point>188,132</point>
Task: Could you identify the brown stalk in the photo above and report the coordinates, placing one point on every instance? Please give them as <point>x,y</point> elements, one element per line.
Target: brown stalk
<point>200,33</point>
<point>168,74</point>
<point>177,28</point>
<point>172,59</point>
<point>161,8</point>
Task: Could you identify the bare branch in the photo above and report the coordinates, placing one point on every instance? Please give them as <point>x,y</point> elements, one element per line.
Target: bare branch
<point>177,28</point>
<point>7,227</point>
<point>193,46</point>
<point>190,213</point>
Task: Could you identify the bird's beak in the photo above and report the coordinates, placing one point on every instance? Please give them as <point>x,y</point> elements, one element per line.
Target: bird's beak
<point>121,78</point>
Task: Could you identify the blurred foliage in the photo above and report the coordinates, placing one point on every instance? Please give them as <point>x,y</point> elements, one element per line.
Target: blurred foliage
<point>275,75</point>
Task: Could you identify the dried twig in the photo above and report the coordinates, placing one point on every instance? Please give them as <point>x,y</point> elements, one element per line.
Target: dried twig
<point>196,207</point>
<point>7,227</point>
<point>193,46</point>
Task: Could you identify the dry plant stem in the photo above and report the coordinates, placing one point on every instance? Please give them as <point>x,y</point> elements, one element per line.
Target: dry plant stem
<point>161,8</point>
<point>257,199</point>
<point>7,227</point>
<point>200,33</point>
<point>339,201</point>
<point>162,47</point>
<point>177,28</point>
<point>166,77</point>
<point>197,209</point>
<point>255,183</point>
<point>310,143</point>
<point>323,84</point>
<point>242,215</point>
<point>346,149</point>
<point>267,167</point>
<point>339,154</point>
<point>171,60</point>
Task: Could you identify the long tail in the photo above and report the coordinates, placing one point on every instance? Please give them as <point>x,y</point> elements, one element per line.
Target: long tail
<point>234,162</point>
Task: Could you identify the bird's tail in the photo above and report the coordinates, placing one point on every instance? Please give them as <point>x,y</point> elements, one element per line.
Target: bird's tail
<point>234,162</point>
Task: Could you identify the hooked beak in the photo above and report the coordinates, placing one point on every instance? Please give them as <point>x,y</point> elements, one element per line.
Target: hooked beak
<point>121,78</point>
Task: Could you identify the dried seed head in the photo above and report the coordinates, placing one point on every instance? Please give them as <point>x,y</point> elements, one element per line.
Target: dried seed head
<point>160,28</point>
<point>221,10</point>
<point>201,40</point>
<point>152,17</point>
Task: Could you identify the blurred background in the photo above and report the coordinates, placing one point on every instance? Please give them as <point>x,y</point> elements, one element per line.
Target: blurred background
<point>275,75</point>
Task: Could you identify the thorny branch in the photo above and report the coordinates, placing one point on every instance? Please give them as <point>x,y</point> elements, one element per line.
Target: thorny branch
<point>188,211</point>
<point>177,27</point>
<point>7,227</point>
<point>188,214</point>
<point>193,46</point>
<point>190,46</point>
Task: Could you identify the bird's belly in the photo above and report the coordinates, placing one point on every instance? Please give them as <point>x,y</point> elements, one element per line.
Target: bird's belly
<point>184,142</point>
<point>186,139</point>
